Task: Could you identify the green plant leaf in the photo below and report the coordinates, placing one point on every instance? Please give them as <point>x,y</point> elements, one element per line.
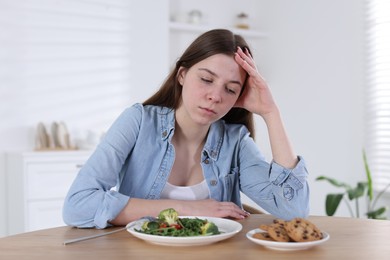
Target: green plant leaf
<point>379,195</point>
<point>354,193</point>
<point>334,182</point>
<point>357,192</point>
<point>369,179</point>
<point>332,202</point>
<point>376,214</point>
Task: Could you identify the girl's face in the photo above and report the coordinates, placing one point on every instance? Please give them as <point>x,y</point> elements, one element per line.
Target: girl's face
<point>210,88</point>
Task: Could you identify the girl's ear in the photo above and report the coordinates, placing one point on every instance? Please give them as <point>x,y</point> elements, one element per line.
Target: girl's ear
<point>181,74</point>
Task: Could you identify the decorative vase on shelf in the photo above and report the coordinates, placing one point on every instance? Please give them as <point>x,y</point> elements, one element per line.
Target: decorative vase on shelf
<point>242,21</point>
<point>195,17</point>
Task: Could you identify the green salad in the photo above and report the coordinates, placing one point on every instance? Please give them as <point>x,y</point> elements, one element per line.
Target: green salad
<point>168,223</point>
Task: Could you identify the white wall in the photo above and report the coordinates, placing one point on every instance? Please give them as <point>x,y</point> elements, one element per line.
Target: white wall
<point>314,62</point>
<point>312,58</point>
<point>81,62</point>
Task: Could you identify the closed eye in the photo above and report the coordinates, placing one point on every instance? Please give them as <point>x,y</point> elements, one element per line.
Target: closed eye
<point>207,80</point>
<point>231,91</point>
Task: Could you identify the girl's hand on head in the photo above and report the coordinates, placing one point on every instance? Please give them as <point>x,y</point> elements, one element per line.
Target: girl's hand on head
<point>257,97</point>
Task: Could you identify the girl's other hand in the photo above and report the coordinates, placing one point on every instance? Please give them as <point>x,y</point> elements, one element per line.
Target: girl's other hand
<point>214,208</point>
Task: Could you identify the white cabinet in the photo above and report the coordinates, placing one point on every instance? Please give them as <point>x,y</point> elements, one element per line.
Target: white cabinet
<point>37,185</point>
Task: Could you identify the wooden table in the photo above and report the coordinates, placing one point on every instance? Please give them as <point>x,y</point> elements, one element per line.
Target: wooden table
<point>349,239</point>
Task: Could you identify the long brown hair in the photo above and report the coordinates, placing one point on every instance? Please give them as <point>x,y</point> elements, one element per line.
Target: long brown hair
<point>218,41</point>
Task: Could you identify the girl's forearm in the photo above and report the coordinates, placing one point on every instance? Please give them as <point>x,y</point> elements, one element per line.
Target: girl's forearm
<point>282,151</point>
<point>138,208</point>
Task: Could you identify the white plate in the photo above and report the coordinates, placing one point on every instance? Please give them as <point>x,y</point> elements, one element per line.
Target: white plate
<point>285,246</point>
<point>228,228</point>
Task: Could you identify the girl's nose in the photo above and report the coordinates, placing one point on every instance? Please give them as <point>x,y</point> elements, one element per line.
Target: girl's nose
<point>215,96</point>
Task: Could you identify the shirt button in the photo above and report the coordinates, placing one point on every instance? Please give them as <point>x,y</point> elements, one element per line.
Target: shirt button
<point>213,182</point>
<point>206,161</point>
<point>164,134</point>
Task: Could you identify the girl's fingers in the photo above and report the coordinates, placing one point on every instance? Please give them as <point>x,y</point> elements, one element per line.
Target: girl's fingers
<point>233,210</point>
<point>246,61</point>
<point>243,56</point>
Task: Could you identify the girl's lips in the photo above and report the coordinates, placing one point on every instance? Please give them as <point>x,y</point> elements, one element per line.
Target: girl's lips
<point>208,110</point>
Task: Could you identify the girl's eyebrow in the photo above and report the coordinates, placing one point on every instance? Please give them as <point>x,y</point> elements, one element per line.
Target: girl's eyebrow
<point>214,74</point>
<point>209,71</point>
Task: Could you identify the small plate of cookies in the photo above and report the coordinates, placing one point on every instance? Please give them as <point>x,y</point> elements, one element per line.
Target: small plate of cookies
<point>296,234</point>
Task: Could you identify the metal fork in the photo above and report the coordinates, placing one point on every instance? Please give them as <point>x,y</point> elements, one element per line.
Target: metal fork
<point>70,241</point>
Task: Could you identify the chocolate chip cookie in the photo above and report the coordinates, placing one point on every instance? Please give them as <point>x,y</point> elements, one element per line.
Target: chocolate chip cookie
<point>302,230</point>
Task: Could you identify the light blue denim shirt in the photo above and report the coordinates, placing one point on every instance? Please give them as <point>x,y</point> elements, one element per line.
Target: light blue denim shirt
<point>136,156</point>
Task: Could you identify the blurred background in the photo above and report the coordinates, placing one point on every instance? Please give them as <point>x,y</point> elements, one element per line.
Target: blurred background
<point>82,62</point>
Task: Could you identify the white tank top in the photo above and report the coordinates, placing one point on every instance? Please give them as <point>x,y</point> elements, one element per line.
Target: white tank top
<point>195,192</point>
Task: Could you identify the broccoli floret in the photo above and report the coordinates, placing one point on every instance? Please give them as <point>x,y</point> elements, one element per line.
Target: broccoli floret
<point>169,216</point>
<point>209,228</point>
<point>145,225</point>
<point>150,225</point>
<point>153,225</point>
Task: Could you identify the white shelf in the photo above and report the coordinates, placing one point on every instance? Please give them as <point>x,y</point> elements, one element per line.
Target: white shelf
<point>195,28</point>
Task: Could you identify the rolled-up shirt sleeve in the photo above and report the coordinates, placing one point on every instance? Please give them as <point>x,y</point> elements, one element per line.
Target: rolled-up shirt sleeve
<point>290,191</point>
<point>281,191</point>
<point>92,200</point>
<point>90,203</point>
